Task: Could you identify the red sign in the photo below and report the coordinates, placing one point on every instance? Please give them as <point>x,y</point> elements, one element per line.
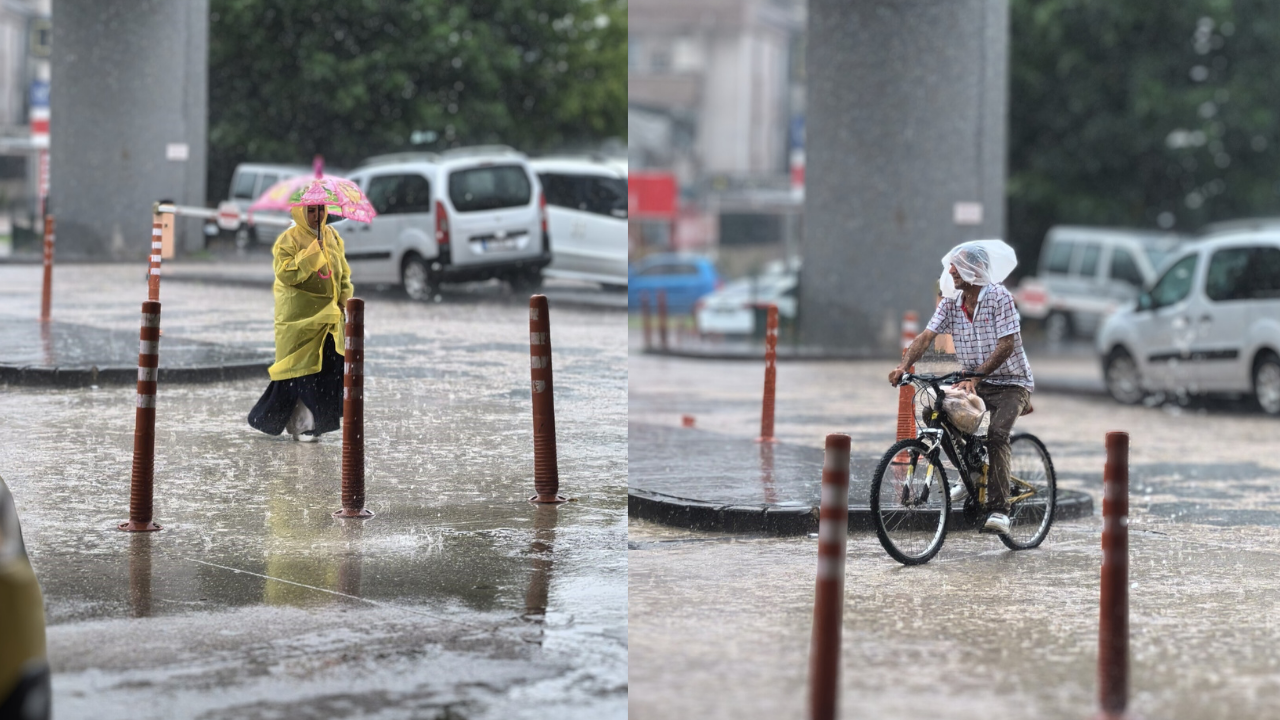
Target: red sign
<point>651,195</point>
<point>228,216</point>
<point>40,127</point>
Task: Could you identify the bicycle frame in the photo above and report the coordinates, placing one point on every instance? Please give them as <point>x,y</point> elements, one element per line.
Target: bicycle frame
<point>939,432</point>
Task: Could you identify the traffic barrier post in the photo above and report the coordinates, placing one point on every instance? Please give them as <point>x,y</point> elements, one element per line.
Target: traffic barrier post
<point>546,473</point>
<point>770,375</point>
<point>1113,605</point>
<point>157,244</point>
<point>141,486</point>
<point>828,602</point>
<point>645,321</point>
<point>906,393</point>
<point>662,319</point>
<point>46,295</point>
<point>353,415</point>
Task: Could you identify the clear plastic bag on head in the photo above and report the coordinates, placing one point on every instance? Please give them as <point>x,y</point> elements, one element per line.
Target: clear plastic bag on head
<point>965,410</point>
<point>979,262</point>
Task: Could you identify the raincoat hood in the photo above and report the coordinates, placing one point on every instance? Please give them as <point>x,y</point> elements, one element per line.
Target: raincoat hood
<point>313,284</point>
<point>979,262</point>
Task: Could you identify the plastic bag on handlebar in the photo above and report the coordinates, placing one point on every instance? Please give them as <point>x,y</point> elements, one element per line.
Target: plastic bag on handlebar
<point>965,410</point>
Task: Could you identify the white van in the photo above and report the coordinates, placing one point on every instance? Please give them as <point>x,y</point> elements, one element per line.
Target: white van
<point>587,212</point>
<point>464,214</point>
<point>1209,325</point>
<point>1086,273</point>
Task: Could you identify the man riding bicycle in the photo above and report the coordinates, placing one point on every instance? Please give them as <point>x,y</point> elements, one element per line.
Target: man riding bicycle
<point>979,314</point>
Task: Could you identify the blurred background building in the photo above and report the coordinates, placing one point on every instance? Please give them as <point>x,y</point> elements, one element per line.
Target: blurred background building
<point>715,114</point>
<point>25,32</point>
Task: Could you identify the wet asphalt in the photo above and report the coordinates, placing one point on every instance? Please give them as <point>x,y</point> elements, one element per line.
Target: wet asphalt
<point>459,599</point>
<point>721,623</point>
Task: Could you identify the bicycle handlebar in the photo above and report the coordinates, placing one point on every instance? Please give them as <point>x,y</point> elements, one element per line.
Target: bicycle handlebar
<point>950,378</point>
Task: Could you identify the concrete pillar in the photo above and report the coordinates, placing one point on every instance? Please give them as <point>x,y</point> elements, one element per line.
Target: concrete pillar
<point>129,79</point>
<point>906,117</point>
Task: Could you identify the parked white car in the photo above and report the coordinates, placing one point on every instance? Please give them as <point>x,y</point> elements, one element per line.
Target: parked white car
<point>1087,273</point>
<point>587,213</point>
<point>1209,325</point>
<point>732,310</point>
<point>464,214</point>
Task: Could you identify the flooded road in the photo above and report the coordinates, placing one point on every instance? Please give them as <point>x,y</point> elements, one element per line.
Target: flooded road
<point>720,624</point>
<point>458,599</point>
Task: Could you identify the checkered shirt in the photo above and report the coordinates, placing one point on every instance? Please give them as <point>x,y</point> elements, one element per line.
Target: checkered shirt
<point>995,317</point>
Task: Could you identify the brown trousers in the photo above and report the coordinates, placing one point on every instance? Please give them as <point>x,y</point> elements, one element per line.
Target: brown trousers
<point>1005,403</point>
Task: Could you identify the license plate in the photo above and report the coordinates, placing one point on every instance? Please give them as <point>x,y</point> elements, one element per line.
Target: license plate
<point>504,244</point>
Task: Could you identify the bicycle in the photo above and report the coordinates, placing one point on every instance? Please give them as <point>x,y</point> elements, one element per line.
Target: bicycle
<point>911,505</point>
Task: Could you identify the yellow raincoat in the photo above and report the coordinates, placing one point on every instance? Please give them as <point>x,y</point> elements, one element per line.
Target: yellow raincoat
<point>311,286</point>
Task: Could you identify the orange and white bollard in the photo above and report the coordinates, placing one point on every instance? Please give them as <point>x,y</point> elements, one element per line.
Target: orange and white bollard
<point>906,393</point>
<point>353,415</point>
<point>546,473</point>
<point>770,375</point>
<point>1113,606</point>
<point>153,274</point>
<point>142,483</point>
<point>46,295</point>
<point>828,602</point>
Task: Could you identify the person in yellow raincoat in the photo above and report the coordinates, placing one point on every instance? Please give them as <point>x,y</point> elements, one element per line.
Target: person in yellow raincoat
<point>313,284</point>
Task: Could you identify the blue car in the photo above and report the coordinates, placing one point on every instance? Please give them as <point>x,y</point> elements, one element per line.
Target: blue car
<point>684,278</point>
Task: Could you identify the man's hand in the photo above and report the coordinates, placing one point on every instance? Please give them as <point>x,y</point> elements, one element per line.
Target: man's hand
<point>967,385</point>
<point>895,375</point>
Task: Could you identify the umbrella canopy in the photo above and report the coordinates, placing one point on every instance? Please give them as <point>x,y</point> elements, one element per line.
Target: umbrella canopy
<point>340,195</point>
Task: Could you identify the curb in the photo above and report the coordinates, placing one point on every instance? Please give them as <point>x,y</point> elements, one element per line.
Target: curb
<point>85,377</point>
<point>1053,386</point>
<point>791,520</point>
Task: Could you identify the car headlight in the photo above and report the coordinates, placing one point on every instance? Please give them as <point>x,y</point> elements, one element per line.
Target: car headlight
<point>11,546</point>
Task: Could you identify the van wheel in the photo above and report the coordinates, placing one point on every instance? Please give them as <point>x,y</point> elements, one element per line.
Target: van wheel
<point>1057,328</point>
<point>1124,382</point>
<point>417,279</point>
<point>1266,383</point>
<point>526,280</point>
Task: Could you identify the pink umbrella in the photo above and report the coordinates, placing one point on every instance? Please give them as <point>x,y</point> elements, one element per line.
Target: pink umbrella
<point>339,195</point>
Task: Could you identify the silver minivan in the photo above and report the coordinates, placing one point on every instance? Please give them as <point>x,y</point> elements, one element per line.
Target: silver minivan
<point>464,214</point>
<point>1086,273</point>
<point>1209,325</point>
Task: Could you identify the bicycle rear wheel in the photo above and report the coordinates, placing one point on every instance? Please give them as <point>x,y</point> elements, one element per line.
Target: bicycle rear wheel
<point>910,503</point>
<point>1033,492</point>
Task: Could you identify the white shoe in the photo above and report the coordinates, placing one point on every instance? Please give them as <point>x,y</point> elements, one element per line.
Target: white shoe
<point>306,438</point>
<point>959,492</point>
<point>300,421</point>
<point>997,523</point>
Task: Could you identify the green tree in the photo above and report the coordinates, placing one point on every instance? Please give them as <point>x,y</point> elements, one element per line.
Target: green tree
<point>289,79</point>
<point>1141,114</point>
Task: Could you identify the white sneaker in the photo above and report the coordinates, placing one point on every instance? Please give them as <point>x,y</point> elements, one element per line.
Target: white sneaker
<point>997,523</point>
<point>959,492</point>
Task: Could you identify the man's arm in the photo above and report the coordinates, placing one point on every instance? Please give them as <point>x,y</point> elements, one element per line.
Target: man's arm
<point>912,354</point>
<point>1004,348</point>
<point>918,346</point>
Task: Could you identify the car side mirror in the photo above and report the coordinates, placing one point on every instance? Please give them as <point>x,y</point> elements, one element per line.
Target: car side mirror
<point>1145,302</point>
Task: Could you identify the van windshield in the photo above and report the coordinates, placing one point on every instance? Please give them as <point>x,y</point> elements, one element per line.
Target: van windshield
<point>489,188</point>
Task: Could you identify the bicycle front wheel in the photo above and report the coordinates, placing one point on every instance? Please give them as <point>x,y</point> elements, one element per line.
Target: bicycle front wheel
<point>1033,493</point>
<point>910,503</point>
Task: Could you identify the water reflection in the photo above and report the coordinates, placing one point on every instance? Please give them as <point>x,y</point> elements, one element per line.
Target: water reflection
<point>766,472</point>
<point>140,574</point>
<point>297,526</point>
<point>540,554</point>
<point>46,343</point>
